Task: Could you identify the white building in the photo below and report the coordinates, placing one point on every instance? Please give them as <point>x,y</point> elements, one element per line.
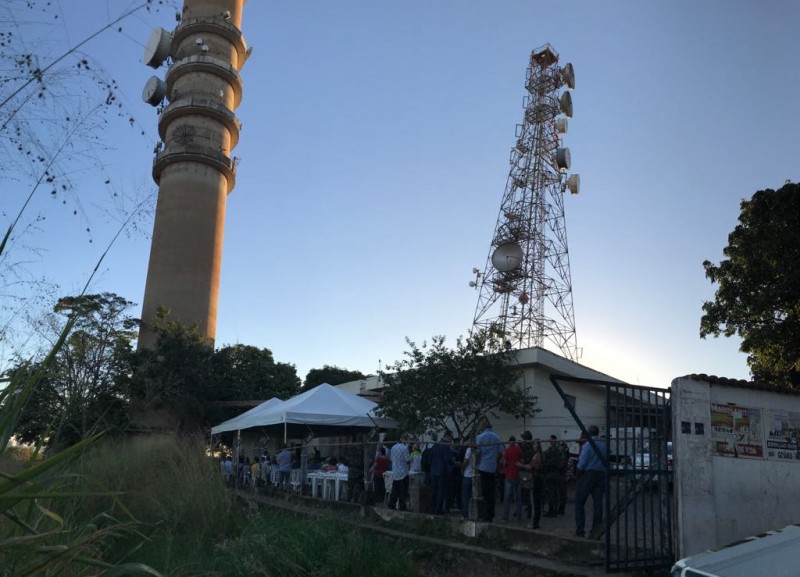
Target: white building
<point>553,418</point>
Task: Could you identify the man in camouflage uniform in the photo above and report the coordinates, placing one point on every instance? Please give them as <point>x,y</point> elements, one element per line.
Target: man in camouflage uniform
<point>353,457</point>
<point>553,474</point>
<point>527,456</point>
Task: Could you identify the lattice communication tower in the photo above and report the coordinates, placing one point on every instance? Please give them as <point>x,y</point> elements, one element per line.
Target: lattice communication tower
<point>525,288</point>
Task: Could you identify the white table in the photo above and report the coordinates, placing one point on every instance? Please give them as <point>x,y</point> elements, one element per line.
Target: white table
<point>330,483</point>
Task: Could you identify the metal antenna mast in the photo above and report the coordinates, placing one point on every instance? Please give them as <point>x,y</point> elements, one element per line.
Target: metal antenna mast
<point>525,288</point>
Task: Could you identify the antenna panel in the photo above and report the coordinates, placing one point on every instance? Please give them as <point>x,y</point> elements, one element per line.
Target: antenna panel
<point>157,48</point>
<point>563,158</point>
<point>154,91</point>
<point>565,103</point>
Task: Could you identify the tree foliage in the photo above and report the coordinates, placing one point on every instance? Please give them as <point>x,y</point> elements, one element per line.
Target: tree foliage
<point>332,375</point>
<point>183,378</point>
<point>171,380</point>
<point>758,297</point>
<point>244,373</point>
<point>436,387</point>
<point>80,393</point>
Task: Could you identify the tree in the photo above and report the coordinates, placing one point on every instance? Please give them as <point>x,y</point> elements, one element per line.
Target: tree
<point>81,393</point>
<point>758,297</point>
<point>332,375</point>
<point>169,385</point>
<point>180,382</point>
<point>243,372</point>
<point>438,387</point>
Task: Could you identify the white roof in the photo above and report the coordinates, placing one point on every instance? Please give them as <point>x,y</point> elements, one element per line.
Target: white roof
<point>324,405</point>
<point>234,424</point>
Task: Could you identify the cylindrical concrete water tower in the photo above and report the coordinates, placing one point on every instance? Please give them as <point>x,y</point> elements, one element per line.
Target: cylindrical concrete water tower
<point>193,166</point>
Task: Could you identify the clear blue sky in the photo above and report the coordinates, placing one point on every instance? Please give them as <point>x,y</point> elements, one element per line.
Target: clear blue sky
<point>374,157</point>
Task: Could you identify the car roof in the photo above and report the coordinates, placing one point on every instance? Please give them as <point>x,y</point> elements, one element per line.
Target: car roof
<point>774,554</point>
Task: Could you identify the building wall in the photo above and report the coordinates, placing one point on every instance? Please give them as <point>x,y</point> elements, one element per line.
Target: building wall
<point>732,480</point>
<point>553,417</point>
<point>537,366</point>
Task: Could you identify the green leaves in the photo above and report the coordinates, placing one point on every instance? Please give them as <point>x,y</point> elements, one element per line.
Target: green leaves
<point>435,386</point>
<point>758,294</point>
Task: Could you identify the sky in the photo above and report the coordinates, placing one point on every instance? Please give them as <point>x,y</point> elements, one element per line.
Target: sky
<point>374,156</point>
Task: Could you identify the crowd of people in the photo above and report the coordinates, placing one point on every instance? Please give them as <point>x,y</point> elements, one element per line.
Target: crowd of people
<point>528,481</point>
<point>520,473</point>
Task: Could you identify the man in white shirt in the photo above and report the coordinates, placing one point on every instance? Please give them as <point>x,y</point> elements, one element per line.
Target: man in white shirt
<point>400,458</point>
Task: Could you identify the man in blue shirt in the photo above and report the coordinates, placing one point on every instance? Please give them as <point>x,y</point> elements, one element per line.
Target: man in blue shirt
<point>591,481</point>
<point>489,451</point>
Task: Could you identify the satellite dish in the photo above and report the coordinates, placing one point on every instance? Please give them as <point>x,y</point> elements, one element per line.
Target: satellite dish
<point>563,158</point>
<point>154,91</point>
<point>574,183</point>
<point>157,48</point>
<point>561,125</point>
<point>507,257</point>
<point>566,104</point>
<point>568,75</point>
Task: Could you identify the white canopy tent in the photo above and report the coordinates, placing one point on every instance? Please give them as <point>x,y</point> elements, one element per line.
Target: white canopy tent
<point>234,424</point>
<point>320,408</point>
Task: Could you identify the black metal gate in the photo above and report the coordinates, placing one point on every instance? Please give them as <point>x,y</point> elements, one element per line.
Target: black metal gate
<point>638,500</point>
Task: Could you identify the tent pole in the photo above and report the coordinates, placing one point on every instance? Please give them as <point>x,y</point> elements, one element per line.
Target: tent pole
<point>285,433</point>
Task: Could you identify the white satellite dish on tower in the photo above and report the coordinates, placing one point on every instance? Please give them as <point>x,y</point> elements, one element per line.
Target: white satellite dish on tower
<point>561,125</point>
<point>507,257</point>
<point>563,158</point>
<point>154,91</point>
<point>568,75</point>
<point>565,103</point>
<point>157,48</point>
<point>574,184</point>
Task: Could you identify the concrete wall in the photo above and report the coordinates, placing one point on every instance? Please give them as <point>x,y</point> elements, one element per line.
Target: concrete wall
<point>731,480</point>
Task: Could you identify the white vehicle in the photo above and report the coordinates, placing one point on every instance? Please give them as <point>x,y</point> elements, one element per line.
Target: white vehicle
<point>773,554</point>
<point>644,461</point>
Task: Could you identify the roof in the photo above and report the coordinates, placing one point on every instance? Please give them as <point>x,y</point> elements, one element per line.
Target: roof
<point>741,384</point>
<point>324,405</point>
<point>773,554</point>
<point>234,424</point>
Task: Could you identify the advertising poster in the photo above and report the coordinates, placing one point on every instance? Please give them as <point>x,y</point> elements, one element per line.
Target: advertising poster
<point>736,431</point>
<point>783,427</point>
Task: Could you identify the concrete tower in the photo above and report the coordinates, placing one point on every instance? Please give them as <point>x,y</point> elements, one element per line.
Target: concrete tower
<point>193,166</point>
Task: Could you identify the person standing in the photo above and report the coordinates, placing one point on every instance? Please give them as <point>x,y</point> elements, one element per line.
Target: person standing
<point>591,471</point>
<point>284,467</point>
<point>401,459</point>
<point>489,450</point>
<point>354,459</point>
<point>442,464</point>
<point>379,467</point>
<point>467,471</point>
<point>532,461</point>
<point>512,458</point>
<point>553,477</point>
<point>565,473</point>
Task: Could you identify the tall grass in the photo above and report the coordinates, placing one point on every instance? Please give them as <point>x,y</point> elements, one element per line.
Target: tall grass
<point>35,539</point>
<point>283,546</point>
<point>177,495</point>
<point>196,527</point>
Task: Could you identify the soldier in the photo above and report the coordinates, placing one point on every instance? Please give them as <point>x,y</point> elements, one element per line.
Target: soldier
<point>354,459</point>
<point>565,475</point>
<point>553,473</point>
